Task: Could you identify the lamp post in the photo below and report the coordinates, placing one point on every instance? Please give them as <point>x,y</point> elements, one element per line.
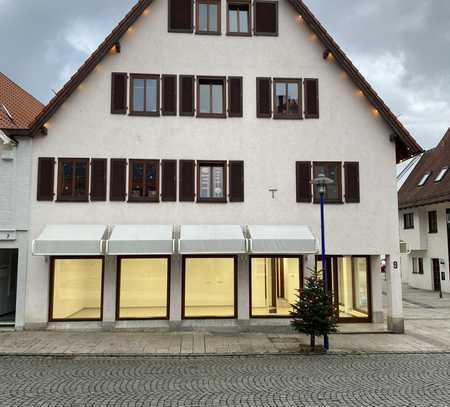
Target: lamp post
<point>321,181</point>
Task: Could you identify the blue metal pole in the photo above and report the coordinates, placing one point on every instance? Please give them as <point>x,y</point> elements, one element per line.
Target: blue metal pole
<point>326,344</point>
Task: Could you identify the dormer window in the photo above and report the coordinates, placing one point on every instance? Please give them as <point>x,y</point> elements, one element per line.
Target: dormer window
<point>208,17</point>
<point>441,175</point>
<point>424,179</point>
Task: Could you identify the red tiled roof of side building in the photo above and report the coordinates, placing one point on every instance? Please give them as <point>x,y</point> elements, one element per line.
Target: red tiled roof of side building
<point>433,162</point>
<point>22,107</point>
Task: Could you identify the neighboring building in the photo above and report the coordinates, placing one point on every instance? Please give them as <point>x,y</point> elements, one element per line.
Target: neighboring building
<point>18,109</point>
<point>424,210</point>
<point>173,188</point>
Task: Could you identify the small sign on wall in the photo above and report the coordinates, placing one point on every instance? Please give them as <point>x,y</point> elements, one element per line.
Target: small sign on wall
<point>7,235</point>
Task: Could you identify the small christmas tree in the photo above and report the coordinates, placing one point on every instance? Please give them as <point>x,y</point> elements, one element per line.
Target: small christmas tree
<point>314,313</point>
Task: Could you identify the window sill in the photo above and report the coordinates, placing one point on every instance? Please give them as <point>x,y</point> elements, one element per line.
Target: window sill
<point>71,199</point>
<point>144,200</point>
<point>211,200</point>
<point>265,34</point>
<point>180,31</point>
<point>144,114</point>
<point>287,117</point>
<point>208,32</point>
<point>243,34</point>
<point>211,115</point>
<point>316,201</point>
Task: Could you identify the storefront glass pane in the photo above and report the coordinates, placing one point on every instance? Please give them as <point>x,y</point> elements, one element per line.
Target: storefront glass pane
<point>209,287</point>
<point>77,289</point>
<point>275,283</point>
<point>143,288</point>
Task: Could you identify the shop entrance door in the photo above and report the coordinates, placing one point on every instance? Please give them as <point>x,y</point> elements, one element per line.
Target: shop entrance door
<point>436,275</point>
<point>8,284</point>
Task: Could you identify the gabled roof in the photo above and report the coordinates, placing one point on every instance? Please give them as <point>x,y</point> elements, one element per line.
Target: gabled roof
<point>405,143</point>
<point>18,109</point>
<point>432,161</point>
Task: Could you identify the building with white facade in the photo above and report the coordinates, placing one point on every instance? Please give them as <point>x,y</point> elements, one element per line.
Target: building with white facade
<point>424,211</point>
<point>18,109</point>
<point>171,176</point>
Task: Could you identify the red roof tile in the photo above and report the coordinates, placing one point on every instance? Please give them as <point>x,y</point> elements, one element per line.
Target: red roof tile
<point>22,107</point>
<point>433,161</point>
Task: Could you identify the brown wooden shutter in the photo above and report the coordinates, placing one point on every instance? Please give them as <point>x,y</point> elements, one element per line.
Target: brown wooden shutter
<point>311,98</point>
<point>266,17</point>
<point>118,179</point>
<point>187,83</point>
<point>119,83</point>
<point>352,182</point>
<point>169,95</point>
<point>236,181</point>
<point>46,179</point>
<point>235,102</point>
<point>181,16</point>
<point>169,180</point>
<point>263,97</point>
<point>303,177</point>
<point>187,180</point>
<point>98,179</point>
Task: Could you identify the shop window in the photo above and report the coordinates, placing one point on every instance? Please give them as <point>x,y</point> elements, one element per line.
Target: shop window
<point>208,17</point>
<point>211,182</point>
<point>143,288</point>
<point>331,170</point>
<point>239,18</point>
<point>76,289</point>
<point>73,179</point>
<point>209,287</point>
<point>144,181</point>
<point>287,98</point>
<point>275,282</point>
<point>211,97</point>
<point>144,95</point>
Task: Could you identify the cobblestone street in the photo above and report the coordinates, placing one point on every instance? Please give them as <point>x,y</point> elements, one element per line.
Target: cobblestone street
<point>334,380</point>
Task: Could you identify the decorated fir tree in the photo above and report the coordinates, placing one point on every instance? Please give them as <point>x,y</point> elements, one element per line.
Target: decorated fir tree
<point>314,313</point>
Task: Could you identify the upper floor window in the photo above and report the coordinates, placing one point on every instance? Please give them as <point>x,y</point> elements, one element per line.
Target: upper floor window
<point>441,174</point>
<point>333,170</point>
<point>211,97</point>
<point>238,18</point>
<point>208,17</point>
<point>408,221</point>
<point>144,181</point>
<point>287,98</point>
<point>266,17</point>
<point>211,182</point>
<point>144,95</point>
<point>180,16</point>
<point>73,179</point>
<point>424,179</point>
<point>432,222</point>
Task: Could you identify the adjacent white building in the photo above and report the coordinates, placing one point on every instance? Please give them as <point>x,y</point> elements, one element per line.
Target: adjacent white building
<point>424,202</point>
<point>171,176</point>
<point>17,111</point>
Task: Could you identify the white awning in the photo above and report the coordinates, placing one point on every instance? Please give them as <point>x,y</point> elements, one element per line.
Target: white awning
<point>282,239</point>
<point>140,240</point>
<point>70,240</point>
<point>212,239</point>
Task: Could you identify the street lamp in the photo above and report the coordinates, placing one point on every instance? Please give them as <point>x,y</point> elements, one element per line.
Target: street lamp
<point>321,181</point>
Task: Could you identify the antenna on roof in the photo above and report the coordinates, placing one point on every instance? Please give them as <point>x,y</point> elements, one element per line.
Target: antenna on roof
<point>6,111</point>
<point>54,91</point>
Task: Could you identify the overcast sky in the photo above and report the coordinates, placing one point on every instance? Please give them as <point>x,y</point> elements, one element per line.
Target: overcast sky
<point>401,46</point>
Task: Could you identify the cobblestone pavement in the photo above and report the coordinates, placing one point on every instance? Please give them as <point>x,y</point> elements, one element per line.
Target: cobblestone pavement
<point>333,380</point>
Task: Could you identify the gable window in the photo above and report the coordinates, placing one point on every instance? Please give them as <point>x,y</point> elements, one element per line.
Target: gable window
<point>331,170</point>
<point>144,95</point>
<point>211,181</point>
<point>73,179</point>
<point>208,17</point>
<point>408,221</point>
<point>287,98</point>
<point>432,222</point>
<point>424,179</point>
<point>441,174</point>
<point>238,22</point>
<point>144,181</point>
<point>211,97</point>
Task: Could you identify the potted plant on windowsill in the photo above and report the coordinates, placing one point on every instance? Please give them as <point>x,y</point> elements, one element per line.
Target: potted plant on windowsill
<point>314,313</point>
